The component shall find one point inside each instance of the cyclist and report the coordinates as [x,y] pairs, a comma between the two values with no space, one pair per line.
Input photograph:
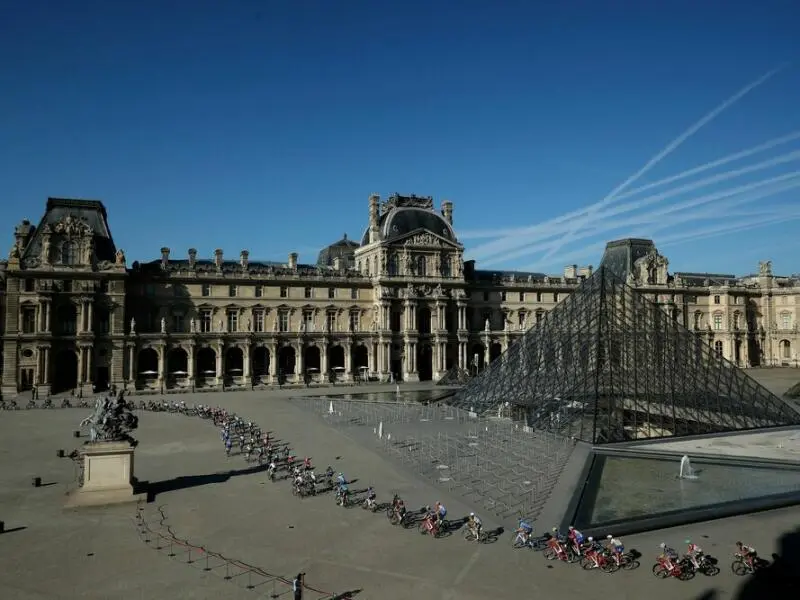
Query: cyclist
[343,494]
[271,469]
[748,553]
[399,508]
[440,512]
[371,495]
[693,553]
[614,547]
[576,538]
[307,464]
[475,525]
[340,480]
[524,528]
[668,555]
[592,550]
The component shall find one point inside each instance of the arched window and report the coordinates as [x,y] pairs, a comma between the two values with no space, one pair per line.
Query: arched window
[786,349]
[422,270]
[698,320]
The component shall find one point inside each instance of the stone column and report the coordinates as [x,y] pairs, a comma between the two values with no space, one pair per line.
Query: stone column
[348,360]
[299,364]
[131,363]
[47,306]
[273,361]
[90,317]
[81,369]
[218,366]
[162,360]
[323,361]
[190,364]
[246,366]
[89,364]
[45,378]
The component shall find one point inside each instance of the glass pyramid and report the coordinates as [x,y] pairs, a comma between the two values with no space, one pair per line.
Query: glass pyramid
[608,365]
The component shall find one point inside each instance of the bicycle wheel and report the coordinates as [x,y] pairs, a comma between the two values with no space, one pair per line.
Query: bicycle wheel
[609,566]
[660,571]
[686,573]
[538,544]
[469,536]
[423,528]
[710,570]
[629,564]
[550,553]
[739,568]
[587,563]
[517,542]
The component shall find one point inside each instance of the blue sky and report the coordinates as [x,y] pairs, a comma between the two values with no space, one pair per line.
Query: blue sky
[266,125]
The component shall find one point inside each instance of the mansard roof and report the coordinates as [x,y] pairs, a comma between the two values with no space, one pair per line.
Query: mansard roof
[92,213]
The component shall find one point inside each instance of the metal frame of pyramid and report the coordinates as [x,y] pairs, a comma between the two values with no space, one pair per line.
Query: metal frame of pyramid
[608,365]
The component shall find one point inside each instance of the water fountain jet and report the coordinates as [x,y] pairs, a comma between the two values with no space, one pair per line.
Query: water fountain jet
[686,470]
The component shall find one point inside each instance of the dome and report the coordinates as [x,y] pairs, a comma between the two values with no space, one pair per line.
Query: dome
[345,248]
[400,221]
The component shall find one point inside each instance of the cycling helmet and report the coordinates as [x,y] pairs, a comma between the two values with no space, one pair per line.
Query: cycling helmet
[571,528]
[555,529]
[687,541]
[590,538]
[609,536]
[471,514]
[662,545]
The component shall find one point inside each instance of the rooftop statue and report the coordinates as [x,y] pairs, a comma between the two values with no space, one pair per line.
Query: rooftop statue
[111,421]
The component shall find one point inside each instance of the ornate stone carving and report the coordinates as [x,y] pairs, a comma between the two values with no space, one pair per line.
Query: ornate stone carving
[14,253]
[192,325]
[133,325]
[163,325]
[765,268]
[72,226]
[422,239]
[119,258]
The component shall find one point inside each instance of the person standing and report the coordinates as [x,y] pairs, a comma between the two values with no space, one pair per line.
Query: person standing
[297,586]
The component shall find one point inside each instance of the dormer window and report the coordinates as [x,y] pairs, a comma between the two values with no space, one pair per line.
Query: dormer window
[68,254]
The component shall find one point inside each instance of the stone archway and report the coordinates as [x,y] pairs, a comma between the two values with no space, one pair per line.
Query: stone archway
[336,362]
[425,362]
[177,362]
[477,358]
[261,360]
[287,358]
[147,361]
[234,362]
[65,371]
[312,359]
[361,362]
[206,365]
[424,320]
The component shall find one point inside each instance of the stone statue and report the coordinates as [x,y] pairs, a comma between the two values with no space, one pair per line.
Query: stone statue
[249,325]
[302,326]
[765,268]
[438,292]
[133,325]
[487,326]
[119,257]
[192,325]
[163,325]
[111,421]
[630,279]
[14,253]
[221,325]
[409,265]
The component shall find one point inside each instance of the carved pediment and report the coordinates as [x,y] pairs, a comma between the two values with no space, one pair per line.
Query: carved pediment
[423,238]
[72,226]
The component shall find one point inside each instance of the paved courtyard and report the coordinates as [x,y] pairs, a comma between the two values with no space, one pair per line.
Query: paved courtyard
[213,501]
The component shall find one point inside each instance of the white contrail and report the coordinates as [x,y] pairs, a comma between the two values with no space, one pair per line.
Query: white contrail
[485,251]
[671,147]
[507,243]
[713,164]
[497,233]
[593,249]
[739,197]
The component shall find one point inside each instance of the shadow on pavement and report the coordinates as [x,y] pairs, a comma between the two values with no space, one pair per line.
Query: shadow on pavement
[153,489]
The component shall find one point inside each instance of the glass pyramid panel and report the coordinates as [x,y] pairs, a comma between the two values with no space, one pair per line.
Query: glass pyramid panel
[621,489]
[608,365]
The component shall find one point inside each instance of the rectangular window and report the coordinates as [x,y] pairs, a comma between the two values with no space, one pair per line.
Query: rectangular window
[104,286]
[716,299]
[522,296]
[691,299]
[283,321]
[308,292]
[233,321]
[538,296]
[177,323]
[259,291]
[284,291]
[331,293]
[205,321]
[539,316]
[394,321]
[30,285]
[206,291]
[555,297]
[28,320]
[67,285]
[485,296]
[232,291]
[354,293]
[258,321]
[330,322]
[786,321]
[103,321]
[521,318]
[354,322]
[308,320]
[503,296]
[717,322]
[737,320]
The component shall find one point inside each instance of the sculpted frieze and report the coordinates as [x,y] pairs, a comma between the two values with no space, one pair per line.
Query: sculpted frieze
[72,226]
[423,239]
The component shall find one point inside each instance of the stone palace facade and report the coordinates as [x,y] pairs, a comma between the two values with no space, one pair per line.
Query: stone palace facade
[401,303]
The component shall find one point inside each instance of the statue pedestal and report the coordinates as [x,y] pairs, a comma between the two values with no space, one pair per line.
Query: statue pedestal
[107,475]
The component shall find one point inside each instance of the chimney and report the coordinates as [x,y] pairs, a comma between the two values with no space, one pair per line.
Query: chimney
[293,260]
[244,259]
[374,217]
[586,271]
[447,211]
[571,272]
[337,263]
[192,257]
[164,257]
[218,258]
